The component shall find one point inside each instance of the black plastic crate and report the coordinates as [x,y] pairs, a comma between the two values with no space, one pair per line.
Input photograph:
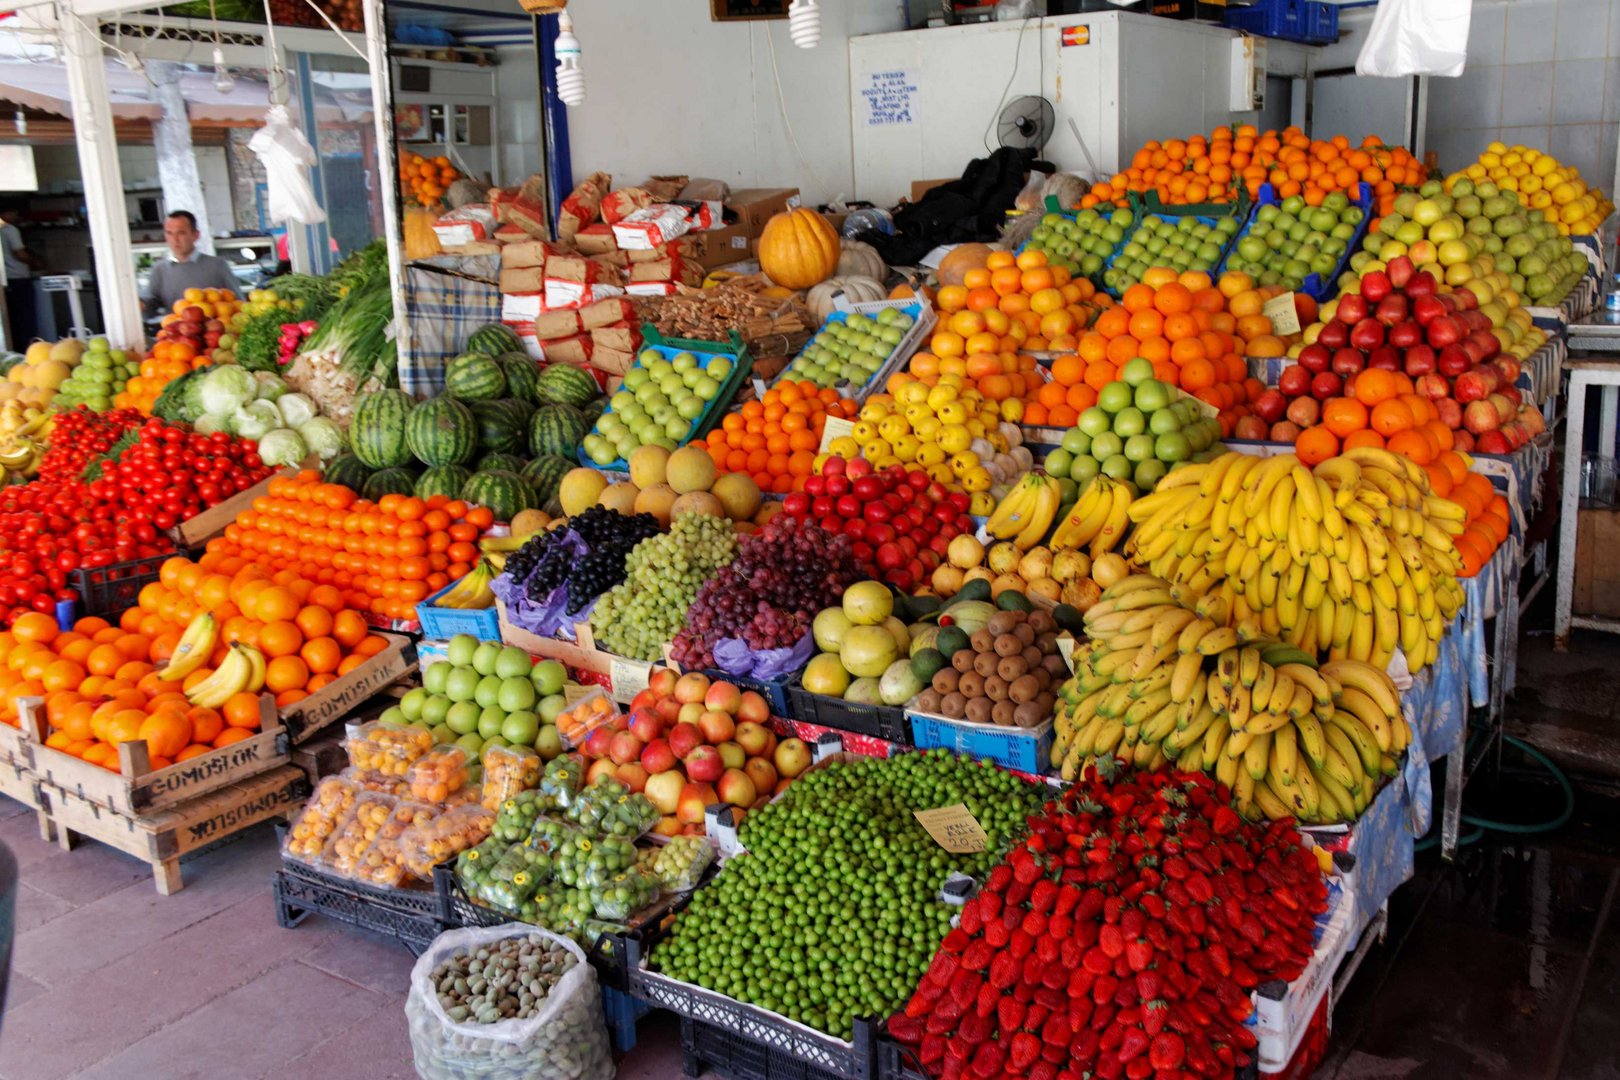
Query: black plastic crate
[410,916]
[887,722]
[116,587]
[737,1057]
[609,954]
[896,1062]
[774,691]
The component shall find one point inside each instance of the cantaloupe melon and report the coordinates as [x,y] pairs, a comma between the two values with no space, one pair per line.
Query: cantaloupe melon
[739,494]
[529,521]
[619,497]
[580,489]
[697,502]
[51,374]
[657,500]
[960,259]
[647,465]
[690,469]
[68,350]
[38,352]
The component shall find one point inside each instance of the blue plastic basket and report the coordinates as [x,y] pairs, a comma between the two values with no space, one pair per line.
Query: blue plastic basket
[1141,208]
[923,320]
[1313,286]
[774,691]
[1025,749]
[1304,21]
[442,622]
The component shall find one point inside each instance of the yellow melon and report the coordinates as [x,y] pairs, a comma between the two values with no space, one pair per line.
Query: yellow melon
[697,502]
[739,494]
[647,465]
[580,489]
[68,351]
[620,498]
[38,352]
[690,469]
[51,374]
[657,500]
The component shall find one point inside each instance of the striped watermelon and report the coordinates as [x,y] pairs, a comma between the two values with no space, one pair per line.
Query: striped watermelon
[493,340]
[474,377]
[565,384]
[545,473]
[495,461]
[442,431]
[522,375]
[505,493]
[557,429]
[377,432]
[446,480]
[396,481]
[346,469]
[520,410]
[497,427]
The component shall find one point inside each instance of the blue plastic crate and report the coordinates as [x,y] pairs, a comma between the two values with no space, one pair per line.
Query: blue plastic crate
[774,691]
[621,1012]
[1304,21]
[1025,749]
[1313,286]
[923,320]
[1141,208]
[443,622]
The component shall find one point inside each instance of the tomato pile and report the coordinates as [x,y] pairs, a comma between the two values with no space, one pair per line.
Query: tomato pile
[171,475]
[79,436]
[1122,939]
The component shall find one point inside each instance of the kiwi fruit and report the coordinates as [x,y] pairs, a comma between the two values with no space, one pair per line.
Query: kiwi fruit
[1028,715]
[1053,665]
[1002,712]
[962,659]
[978,710]
[1032,656]
[1024,633]
[945,680]
[1047,642]
[995,688]
[985,663]
[1008,645]
[1001,622]
[1042,677]
[953,705]
[1024,689]
[1041,621]
[1011,667]
[982,640]
[928,700]
[1047,701]
[971,685]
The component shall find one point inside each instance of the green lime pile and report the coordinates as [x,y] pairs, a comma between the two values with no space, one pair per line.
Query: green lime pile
[662,577]
[1137,432]
[834,913]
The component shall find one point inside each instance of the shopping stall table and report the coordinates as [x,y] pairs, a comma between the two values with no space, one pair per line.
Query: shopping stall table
[1594,344]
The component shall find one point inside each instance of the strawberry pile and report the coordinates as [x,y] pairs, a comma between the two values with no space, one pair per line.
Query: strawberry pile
[1121,939]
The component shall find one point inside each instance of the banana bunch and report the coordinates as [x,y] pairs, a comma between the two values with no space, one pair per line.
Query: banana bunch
[1352,560]
[472,591]
[196,645]
[1160,680]
[1025,515]
[241,672]
[495,549]
[1098,517]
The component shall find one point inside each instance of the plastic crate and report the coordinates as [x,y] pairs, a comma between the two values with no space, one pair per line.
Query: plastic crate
[116,587]
[442,622]
[886,722]
[1025,749]
[741,365]
[896,1062]
[1208,214]
[1304,21]
[621,1012]
[923,320]
[737,1057]
[1313,285]
[411,916]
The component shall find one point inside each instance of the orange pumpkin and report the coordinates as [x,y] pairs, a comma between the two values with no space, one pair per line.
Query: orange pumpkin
[799,249]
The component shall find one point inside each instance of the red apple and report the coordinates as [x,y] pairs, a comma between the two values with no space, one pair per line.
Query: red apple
[1391,309]
[1452,361]
[625,748]
[1405,334]
[1294,381]
[632,775]
[1419,360]
[1271,405]
[668,710]
[598,743]
[600,768]
[1421,283]
[731,755]
[1352,309]
[1315,357]
[1333,335]
[1480,417]
[1347,361]
[1400,270]
[1492,442]
[1426,309]
[1385,358]
[737,788]
[704,764]
[1326,385]
[1367,335]
[646,725]
[1470,386]
[1306,411]
[684,738]
[696,798]
[753,707]
[1250,427]
[1375,286]
[1286,430]
[657,757]
[662,681]
[1443,331]
[1450,413]
[717,726]
[1505,409]
[1432,386]
[1463,441]
[644,700]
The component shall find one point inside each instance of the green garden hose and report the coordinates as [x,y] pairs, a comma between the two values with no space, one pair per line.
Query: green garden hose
[1484,825]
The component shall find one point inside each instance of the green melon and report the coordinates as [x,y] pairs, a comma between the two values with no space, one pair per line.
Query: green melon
[474,377]
[377,432]
[545,474]
[396,481]
[565,384]
[446,480]
[493,340]
[348,470]
[505,493]
[442,431]
[557,429]
[498,427]
[522,375]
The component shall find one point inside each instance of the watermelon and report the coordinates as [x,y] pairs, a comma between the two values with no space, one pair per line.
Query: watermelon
[474,377]
[348,470]
[505,493]
[446,480]
[520,409]
[565,384]
[396,481]
[497,427]
[377,432]
[593,410]
[442,431]
[522,375]
[557,429]
[545,473]
[493,340]
[496,461]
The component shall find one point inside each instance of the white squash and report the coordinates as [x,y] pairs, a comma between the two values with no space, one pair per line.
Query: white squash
[860,259]
[856,290]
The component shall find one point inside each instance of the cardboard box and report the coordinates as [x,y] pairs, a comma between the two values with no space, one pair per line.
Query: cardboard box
[1597,575]
[720,247]
[919,188]
[523,279]
[756,206]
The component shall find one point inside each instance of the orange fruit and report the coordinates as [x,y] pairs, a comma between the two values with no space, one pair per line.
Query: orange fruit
[242,711]
[286,673]
[165,733]
[206,724]
[1315,445]
[275,603]
[280,638]
[349,628]
[231,735]
[35,626]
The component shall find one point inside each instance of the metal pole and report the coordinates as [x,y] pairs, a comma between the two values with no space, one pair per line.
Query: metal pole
[554,153]
[97,141]
[382,111]
[318,235]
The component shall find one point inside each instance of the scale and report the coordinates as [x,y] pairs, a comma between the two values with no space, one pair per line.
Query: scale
[70,284]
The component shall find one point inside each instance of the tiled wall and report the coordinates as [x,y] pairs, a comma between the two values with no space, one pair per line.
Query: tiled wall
[1545,73]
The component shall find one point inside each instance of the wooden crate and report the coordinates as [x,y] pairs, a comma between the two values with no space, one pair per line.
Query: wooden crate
[139,789]
[339,698]
[197,531]
[160,837]
[627,677]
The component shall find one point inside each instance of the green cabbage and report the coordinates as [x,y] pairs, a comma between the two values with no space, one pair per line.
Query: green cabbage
[255,419]
[226,388]
[282,447]
[323,437]
[296,410]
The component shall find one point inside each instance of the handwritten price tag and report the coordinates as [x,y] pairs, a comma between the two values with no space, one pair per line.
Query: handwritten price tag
[953,829]
[1065,646]
[1280,310]
[629,676]
[837,427]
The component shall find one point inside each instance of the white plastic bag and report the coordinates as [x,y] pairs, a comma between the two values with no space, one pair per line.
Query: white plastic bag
[1416,37]
[566,1040]
[287,156]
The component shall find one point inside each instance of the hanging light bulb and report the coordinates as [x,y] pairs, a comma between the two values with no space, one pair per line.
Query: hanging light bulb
[222,74]
[570,75]
[21,122]
[804,23]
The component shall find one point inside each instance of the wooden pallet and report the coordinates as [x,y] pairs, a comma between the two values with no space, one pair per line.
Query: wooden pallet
[139,789]
[161,837]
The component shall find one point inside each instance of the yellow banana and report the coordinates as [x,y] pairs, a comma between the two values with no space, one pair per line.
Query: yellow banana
[196,645]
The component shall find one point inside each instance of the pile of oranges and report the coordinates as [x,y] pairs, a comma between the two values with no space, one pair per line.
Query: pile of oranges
[1011,303]
[168,361]
[381,557]
[1195,332]
[1185,172]
[775,439]
[1379,409]
[1486,527]
[425,180]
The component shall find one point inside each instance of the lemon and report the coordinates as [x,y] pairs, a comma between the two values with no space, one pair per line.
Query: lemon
[1544,164]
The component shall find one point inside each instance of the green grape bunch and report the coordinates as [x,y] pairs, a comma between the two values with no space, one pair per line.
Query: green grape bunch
[662,577]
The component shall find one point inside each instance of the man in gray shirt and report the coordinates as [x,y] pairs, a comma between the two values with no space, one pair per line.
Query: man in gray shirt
[20,264]
[185,268]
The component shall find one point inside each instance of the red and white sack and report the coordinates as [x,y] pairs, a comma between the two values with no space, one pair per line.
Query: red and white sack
[658,224]
[618,205]
[471,224]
